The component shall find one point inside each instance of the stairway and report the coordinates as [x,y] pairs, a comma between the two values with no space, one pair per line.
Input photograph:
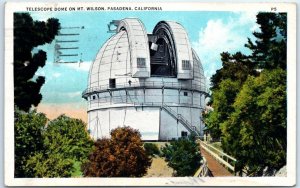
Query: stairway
[181,119]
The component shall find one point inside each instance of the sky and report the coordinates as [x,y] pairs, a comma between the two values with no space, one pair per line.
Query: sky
[210,34]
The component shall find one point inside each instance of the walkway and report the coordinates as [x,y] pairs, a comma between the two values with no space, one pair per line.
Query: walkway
[216,169]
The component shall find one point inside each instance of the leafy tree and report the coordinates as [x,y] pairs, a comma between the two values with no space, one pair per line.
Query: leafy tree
[183,156]
[28,139]
[65,142]
[236,67]
[48,149]
[68,136]
[247,116]
[27,35]
[223,100]
[49,165]
[255,133]
[122,155]
[268,51]
[225,85]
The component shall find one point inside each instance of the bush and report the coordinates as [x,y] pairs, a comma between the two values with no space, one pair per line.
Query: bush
[122,155]
[46,148]
[151,149]
[68,136]
[66,142]
[49,166]
[28,139]
[183,156]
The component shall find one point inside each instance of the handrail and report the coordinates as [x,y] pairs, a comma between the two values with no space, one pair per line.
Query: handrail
[219,155]
[97,104]
[221,152]
[154,84]
[179,117]
[203,171]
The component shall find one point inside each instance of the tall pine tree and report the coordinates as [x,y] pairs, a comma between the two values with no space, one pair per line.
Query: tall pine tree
[27,35]
[269,48]
[249,99]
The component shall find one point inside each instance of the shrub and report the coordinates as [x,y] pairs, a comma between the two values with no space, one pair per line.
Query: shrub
[28,139]
[122,155]
[151,149]
[49,149]
[183,156]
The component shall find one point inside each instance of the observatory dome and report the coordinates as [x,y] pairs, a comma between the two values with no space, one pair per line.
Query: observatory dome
[136,75]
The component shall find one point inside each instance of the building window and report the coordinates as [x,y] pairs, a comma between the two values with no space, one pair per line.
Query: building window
[141,62]
[186,65]
[183,134]
[93,97]
[112,83]
[185,93]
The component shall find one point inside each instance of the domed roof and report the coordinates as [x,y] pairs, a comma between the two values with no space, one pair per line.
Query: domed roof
[127,53]
[112,58]
[116,55]
[199,77]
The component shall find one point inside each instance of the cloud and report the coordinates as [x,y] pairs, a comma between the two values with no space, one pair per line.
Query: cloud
[220,35]
[76,94]
[56,74]
[83,66]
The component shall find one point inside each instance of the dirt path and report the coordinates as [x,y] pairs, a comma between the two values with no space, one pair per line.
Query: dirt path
[216,169]
[159,168]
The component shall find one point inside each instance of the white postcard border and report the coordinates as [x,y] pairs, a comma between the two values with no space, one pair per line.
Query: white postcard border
[176,6]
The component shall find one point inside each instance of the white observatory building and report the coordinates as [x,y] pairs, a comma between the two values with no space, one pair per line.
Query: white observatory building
[151,82]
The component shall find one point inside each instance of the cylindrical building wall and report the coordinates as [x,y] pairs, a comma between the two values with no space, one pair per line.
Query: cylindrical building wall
[154,83]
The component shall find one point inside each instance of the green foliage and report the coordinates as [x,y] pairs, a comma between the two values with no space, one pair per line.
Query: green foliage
[77,169]
[27,35]
[217,145]
[122,155]
[151,149]
[223,98]
[68,136]
[235,67]
[28,138]
[269,48]
[49,166]
[255,133]
[49,150]
[249,104]
[66,142]
[183,156]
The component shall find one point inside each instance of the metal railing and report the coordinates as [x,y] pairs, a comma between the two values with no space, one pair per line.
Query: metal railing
[104,104]
[147,84]
[203,171]
[223,158]
[181,119]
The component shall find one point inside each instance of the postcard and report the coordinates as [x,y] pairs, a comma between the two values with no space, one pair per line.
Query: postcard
[150,94]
